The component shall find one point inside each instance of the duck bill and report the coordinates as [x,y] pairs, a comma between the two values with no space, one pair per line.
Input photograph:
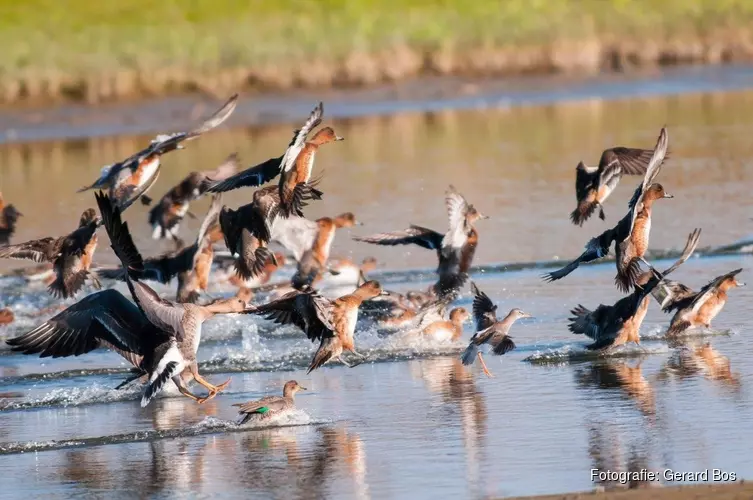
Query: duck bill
[483,216]
[526,315]
[669,196]
[739,283]
[339,138]
[300,387]
[384,292]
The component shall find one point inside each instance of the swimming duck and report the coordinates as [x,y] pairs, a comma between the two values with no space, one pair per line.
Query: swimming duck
[71,255]
[132,177]
[630,235]
[158,337]
[332,322]
[8,217]
[270,406]
[455,249]
[6,316]
[696,309]
[447,330]
[314,260]
[489,330]
[618,324]
[593,185]
[165,217]
[167,266]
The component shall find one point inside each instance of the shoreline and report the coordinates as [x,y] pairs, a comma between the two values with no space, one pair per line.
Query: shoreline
[722,491]
[21,124]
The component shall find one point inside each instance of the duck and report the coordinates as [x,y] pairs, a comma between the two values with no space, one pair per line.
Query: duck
[158,337]
[269,407]
[194,281]
[6,316]
[133,177]
[489,330]
[271,266]
[178,262]
[9,216]
[71,255]
[455,249]
[593,185]
[611,326]
[165,217]
[313,262]
[346,270]
[331,322]
[696,309]
[630,234]
[447,330]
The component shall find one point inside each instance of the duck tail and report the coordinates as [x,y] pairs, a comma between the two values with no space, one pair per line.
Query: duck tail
[469,355]
[158,381]
[135,374]
[584,210]
[245,418]
[677,327]
[230,229]
[323,354]
[628,275]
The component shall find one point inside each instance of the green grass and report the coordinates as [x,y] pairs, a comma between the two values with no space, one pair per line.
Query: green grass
[76,40]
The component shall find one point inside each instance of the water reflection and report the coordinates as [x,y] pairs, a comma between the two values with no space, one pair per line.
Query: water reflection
[620,375]
[697,358]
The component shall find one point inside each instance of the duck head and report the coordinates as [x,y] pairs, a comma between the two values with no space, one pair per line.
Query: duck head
[369,290]
[324,136]
[346,219]
[459,315]
[291,387]
[655,192]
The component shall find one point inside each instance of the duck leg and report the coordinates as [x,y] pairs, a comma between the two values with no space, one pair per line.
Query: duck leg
[213,389]
[340,358]
[184,390]
[483,365]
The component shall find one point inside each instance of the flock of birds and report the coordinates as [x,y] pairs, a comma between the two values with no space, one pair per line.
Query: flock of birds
[160,337]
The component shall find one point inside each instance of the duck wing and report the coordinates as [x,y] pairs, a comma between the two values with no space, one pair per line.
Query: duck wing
[620,160]
[263,405]
[307,310]
[457,209]
[652,170]
[484,310]
[251,177]
[414,235]
[711,288]
[42,250]
[103,318]
[296,234]
[299,140]
[670,293]
[164,315]
[596,248]
[431,313]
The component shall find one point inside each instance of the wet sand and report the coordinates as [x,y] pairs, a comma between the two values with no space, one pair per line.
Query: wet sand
[729,491]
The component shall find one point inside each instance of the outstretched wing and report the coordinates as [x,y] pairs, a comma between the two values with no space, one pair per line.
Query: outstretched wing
[414,235]
[307,310]
[596,248]
[42,250]
[484,310]
[620,160]
[251,177]
[103,318]
[299,138]
[711,288]
[652,170]
[584,180]
[457,209]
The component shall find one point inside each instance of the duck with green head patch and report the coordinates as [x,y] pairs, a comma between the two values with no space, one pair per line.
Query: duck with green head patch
[270,406]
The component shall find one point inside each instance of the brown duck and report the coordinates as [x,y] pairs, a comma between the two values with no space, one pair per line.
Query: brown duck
[71,255]
[455,249]
[593,185]
[158,337]
[332,323]
[132,177]
[618,324]
[166,216]
[269,407]
[8,217]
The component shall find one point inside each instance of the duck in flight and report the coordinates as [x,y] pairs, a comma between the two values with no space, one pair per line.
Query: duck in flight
[331,322]
[593,185]
[158,337]
[8,218]
[166,216]
[489,330]
[631,233]
[294,167]
[610,326]
[71,255]
[455,249]
[129,179]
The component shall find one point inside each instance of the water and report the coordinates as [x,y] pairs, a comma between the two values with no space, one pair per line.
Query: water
[413,422]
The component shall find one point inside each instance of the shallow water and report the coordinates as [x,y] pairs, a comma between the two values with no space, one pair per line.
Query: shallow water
[413,422]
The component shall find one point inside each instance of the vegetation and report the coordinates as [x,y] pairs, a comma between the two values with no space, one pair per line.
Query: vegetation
[100,50]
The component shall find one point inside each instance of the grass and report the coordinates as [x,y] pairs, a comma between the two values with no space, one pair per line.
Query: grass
[78,46]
